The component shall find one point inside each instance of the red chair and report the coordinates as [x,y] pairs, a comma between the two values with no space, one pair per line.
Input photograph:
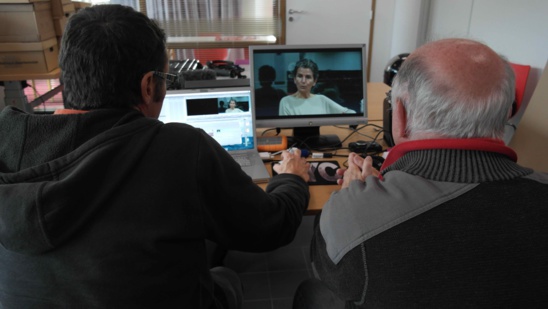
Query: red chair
[204,55]
[522,73]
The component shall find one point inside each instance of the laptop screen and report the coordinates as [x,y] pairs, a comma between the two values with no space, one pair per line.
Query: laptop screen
[226,115]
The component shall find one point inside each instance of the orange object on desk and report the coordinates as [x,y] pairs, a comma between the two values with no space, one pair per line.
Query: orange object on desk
[272,143]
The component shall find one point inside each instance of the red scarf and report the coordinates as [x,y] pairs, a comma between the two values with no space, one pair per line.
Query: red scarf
[481,144]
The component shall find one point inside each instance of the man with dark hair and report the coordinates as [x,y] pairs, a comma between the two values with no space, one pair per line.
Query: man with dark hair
[268,95]
[104,206]
[451,221]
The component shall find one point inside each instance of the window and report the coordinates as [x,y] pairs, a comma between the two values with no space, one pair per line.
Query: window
[200,29]
[214,24]
[216,29]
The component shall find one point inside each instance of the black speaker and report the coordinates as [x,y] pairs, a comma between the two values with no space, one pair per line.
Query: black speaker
[387,120]
[389,73]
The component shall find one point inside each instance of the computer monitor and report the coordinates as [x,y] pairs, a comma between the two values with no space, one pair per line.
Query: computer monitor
[339,94]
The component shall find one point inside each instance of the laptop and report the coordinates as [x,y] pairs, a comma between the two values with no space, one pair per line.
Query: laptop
[233,129]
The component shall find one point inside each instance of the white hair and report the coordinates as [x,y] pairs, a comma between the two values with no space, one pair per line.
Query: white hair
[434,107]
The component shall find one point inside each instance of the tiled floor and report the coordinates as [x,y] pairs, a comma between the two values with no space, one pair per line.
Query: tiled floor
[270,279]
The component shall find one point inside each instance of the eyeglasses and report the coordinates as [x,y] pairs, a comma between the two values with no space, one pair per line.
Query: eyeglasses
[170,78]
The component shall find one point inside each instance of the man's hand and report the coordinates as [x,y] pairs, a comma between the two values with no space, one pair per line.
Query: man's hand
[358,169]
[292,163]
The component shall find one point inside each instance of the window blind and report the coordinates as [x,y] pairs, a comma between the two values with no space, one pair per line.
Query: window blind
[191,24]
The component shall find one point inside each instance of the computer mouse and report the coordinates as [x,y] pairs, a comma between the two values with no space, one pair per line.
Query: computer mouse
[377,161]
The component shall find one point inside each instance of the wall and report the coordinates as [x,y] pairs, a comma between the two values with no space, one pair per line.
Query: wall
[399,28]
[382,38]
[515,29]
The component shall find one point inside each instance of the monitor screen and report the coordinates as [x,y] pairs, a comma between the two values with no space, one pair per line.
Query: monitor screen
[307,86]
[224,114]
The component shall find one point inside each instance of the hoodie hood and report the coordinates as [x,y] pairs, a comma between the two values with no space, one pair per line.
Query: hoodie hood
[45,190]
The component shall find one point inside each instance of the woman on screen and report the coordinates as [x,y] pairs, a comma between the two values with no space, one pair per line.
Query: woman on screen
[232,107]
[304,102]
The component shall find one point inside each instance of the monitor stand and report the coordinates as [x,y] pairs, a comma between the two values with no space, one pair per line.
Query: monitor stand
[310,137]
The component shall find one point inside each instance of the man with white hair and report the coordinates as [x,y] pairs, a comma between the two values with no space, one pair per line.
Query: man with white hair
[451,220]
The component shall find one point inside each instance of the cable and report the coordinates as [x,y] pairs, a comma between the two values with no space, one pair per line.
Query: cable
[277,131]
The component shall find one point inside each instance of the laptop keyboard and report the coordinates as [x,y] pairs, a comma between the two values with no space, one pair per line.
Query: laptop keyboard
[242,159]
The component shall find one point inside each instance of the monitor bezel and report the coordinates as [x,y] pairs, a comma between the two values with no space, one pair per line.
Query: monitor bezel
[308,120]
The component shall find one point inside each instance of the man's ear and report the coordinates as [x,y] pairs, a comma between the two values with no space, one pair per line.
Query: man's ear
[399,122]
[147,88]
[147,95]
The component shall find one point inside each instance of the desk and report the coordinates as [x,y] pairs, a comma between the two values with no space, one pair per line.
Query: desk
[376,92]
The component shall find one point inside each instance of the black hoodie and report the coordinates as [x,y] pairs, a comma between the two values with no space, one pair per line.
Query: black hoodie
[110,209]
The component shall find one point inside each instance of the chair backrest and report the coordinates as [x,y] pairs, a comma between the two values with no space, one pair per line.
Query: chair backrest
[522,73]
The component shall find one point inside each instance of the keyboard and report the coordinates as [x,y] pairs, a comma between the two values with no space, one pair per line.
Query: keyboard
[242,159]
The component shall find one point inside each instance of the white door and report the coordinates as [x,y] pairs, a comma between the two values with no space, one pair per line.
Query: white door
[327,21]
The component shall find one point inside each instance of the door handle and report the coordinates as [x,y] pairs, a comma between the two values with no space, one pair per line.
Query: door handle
[292,11]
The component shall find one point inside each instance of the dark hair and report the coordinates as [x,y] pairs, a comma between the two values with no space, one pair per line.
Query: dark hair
[307,64]
[105,51]
[267,74]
